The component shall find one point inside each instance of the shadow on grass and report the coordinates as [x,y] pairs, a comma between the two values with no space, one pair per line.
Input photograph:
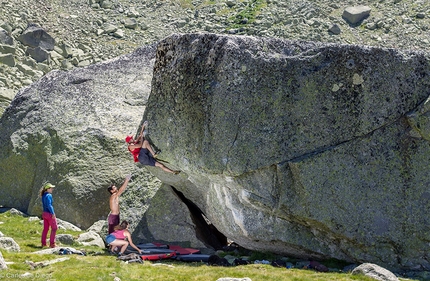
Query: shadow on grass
[34,246]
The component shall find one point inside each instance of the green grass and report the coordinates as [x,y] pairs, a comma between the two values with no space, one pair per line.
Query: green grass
[250,12]
[99,265]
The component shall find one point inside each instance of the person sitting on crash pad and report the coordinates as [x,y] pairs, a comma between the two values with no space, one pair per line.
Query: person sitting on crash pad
[143,153]
[121,237]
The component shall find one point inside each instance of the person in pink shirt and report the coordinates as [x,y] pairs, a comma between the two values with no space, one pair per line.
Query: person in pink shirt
[121,238]
[48,215]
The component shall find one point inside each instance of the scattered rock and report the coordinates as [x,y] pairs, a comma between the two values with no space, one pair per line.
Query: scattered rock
[119,33]
[375,271]
[109,28]
[420,15]
[48,251]
[155,21]
[40,264]
[7,59]
[98,226]
[6,49]
[132,13]
[335,29]
[106,4]
[15,212]
[5,38]
[38,53]
[66,239]
[356,14]
[67,225]
[3,264]
[231,3]
[66,64]
[28,70]
[31,219]
[91,238]
[130,23]
[8,244]
[35,36]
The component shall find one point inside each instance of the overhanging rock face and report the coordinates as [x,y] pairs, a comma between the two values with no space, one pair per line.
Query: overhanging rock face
[299,148]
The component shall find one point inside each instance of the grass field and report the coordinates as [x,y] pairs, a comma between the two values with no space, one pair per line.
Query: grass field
[98,264]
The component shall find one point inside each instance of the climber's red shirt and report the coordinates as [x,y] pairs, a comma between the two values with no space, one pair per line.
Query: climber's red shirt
[135,153]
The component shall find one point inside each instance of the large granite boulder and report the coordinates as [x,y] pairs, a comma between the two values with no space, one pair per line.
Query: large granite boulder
[299,148]
[68,128]
[304,149]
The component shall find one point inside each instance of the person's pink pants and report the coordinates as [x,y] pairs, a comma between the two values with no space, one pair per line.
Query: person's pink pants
[49,221]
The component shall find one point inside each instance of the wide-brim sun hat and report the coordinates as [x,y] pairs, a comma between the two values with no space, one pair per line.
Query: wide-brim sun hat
[48,186]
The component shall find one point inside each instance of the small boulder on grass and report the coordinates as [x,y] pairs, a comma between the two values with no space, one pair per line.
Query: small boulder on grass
[356,14]
[375,271]
[91,238]
[2,262]
[66,239]
[16,212]
[67,225]
[8,244]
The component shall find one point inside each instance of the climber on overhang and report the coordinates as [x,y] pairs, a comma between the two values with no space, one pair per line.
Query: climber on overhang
[143,153]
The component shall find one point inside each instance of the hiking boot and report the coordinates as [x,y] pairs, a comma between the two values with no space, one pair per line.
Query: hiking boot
[53,246]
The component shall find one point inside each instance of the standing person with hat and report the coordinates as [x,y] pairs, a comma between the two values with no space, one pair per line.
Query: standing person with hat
[48,215]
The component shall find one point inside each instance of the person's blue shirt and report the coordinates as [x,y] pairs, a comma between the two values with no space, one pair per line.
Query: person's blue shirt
[47,203]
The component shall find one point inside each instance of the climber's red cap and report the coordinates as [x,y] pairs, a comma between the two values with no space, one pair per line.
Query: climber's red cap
[128,139]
